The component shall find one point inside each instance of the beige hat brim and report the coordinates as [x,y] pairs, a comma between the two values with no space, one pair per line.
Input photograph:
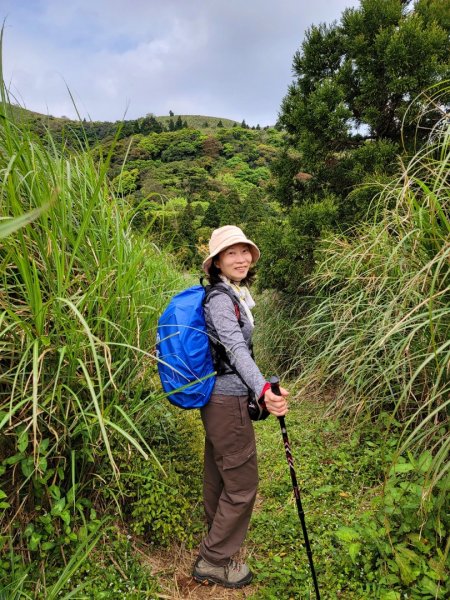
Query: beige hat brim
[226,244]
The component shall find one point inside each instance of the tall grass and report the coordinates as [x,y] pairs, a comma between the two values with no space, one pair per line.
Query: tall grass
[381,333]
[80,292]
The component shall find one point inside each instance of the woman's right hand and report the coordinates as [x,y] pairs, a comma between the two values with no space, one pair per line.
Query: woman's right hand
[276,405]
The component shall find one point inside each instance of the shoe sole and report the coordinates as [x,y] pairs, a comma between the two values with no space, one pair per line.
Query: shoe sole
[237,585]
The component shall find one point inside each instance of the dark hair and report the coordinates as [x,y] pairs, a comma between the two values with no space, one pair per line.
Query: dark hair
[214,272]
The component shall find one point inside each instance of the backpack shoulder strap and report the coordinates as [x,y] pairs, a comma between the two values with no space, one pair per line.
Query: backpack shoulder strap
[220,358]
[221,288]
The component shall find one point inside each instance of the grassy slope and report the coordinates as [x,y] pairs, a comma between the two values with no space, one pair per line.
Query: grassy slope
[198,121]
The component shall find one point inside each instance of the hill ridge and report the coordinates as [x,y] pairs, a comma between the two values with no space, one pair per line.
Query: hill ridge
[196,121]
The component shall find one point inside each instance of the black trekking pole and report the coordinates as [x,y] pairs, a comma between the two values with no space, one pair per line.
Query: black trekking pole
[275,387]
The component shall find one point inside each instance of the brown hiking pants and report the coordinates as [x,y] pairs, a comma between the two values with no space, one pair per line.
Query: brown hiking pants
[230,476]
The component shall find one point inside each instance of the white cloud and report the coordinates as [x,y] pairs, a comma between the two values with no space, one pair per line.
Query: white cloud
[220,58]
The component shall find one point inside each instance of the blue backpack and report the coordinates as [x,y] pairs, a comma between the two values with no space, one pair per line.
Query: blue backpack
[185,362]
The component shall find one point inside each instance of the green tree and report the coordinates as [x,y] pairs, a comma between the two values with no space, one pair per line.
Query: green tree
[284,168]
[288,246]
[435,10]
[185,240]
[212,216]
[149,125]
[179,151]
[359,81]
[229,209]
[126,181]
[353,107]
[255,210]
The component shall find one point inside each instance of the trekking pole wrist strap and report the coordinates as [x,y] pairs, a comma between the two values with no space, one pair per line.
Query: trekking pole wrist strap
[264,390]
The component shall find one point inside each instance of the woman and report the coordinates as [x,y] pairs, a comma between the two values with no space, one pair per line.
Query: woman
[230,469]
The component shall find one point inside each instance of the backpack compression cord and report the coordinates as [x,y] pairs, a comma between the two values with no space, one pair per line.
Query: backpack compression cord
[275,387]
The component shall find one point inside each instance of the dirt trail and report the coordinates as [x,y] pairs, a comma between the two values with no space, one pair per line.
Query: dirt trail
[173,568]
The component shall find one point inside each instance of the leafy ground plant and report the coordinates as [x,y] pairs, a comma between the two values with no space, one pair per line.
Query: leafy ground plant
[400,547]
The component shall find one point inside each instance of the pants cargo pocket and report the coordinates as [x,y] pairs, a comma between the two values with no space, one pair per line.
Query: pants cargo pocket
[240,469]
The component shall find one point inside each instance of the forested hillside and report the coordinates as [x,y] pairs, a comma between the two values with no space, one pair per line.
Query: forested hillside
[184,175]
[186,182]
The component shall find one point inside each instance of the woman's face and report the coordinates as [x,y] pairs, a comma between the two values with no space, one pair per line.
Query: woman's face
[234,262]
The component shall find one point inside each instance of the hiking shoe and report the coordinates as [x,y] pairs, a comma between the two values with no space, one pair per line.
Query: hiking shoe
[232,575]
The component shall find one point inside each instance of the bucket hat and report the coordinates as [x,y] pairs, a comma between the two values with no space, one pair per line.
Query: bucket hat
[223,238]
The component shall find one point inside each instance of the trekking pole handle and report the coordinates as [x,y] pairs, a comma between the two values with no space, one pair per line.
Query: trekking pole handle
[275,385]
[275,388]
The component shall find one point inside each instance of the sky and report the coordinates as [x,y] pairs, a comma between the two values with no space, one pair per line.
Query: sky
[128,58]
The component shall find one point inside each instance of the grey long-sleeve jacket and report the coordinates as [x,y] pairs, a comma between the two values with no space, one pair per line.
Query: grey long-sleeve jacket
[222,325]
